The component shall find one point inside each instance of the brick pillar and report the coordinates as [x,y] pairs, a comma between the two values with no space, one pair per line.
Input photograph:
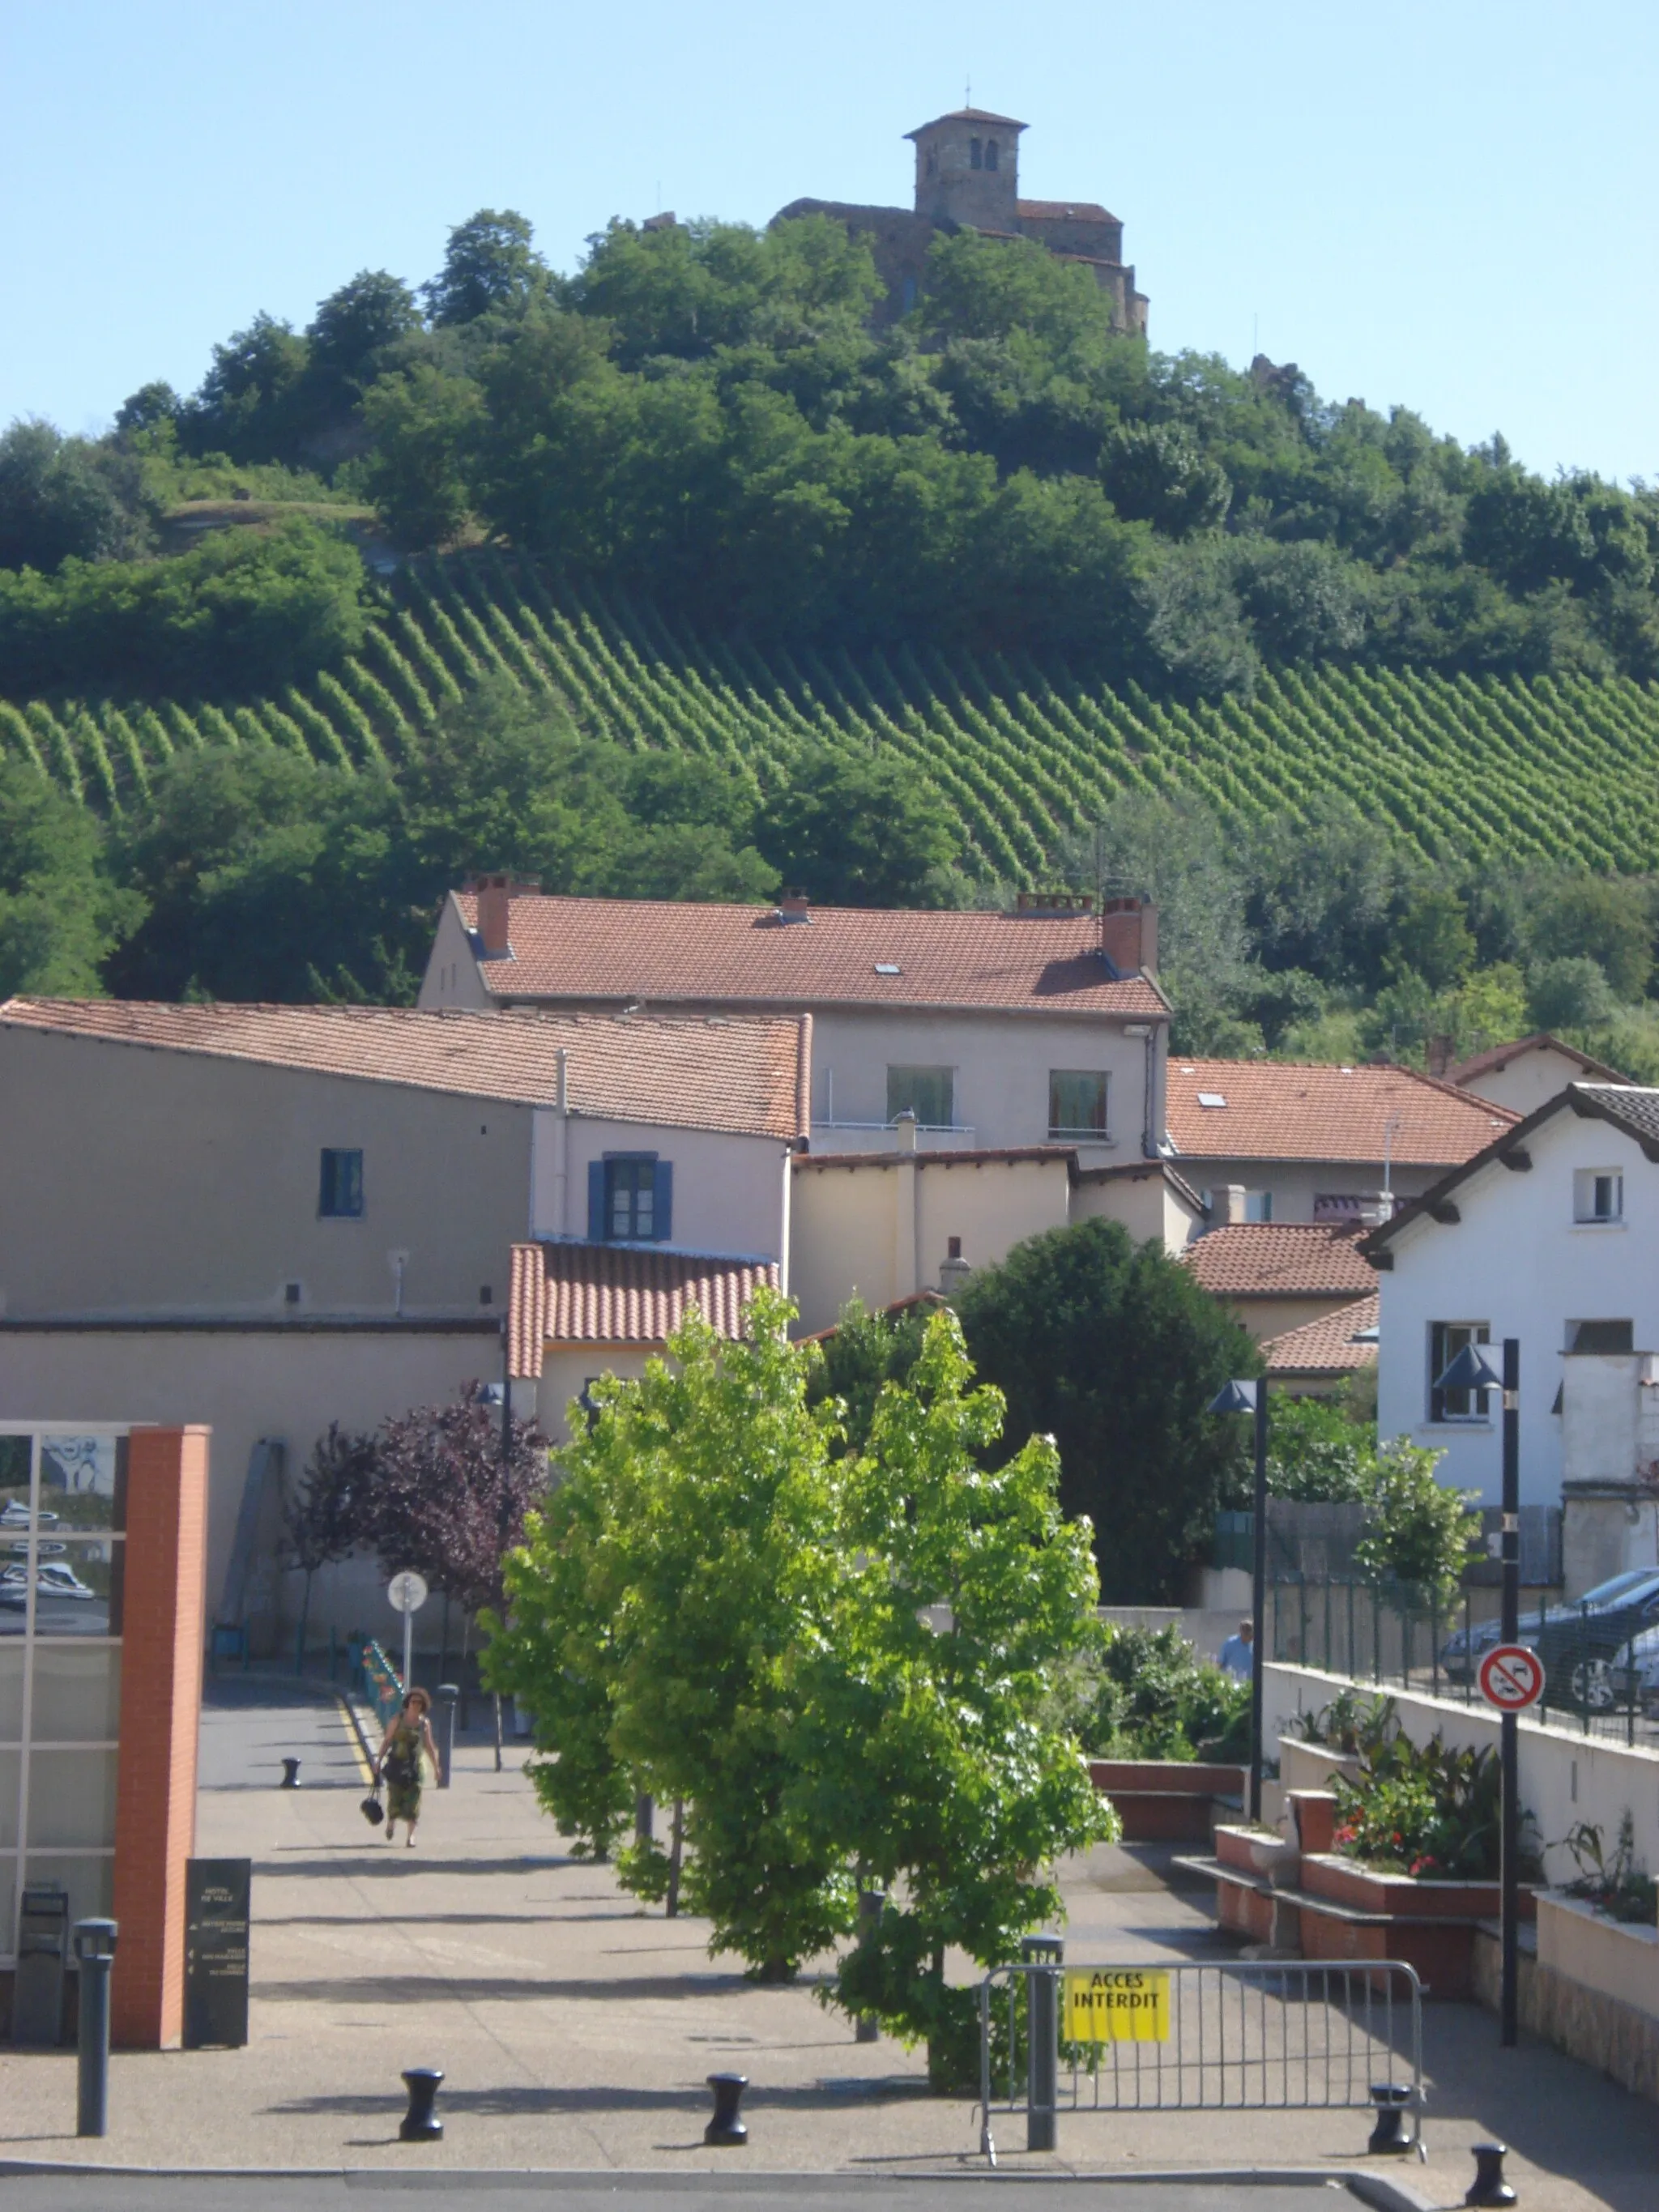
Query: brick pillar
[162,1621]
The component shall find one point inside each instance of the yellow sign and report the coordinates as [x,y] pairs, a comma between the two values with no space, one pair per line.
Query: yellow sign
[1117,2004]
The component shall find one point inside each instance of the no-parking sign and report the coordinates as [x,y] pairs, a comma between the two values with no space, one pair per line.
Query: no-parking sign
[1511,1677]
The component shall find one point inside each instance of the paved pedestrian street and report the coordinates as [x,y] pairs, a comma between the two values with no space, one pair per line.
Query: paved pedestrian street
[575,2030]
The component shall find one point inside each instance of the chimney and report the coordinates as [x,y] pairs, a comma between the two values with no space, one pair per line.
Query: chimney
[496,894]
[954,1270]
[904,1131]
[1226,1205]
[1440,1055]
[793,905]
[1128,935]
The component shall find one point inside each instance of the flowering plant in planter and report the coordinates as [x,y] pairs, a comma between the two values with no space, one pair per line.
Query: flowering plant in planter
[1426,1811]
[1615,1882]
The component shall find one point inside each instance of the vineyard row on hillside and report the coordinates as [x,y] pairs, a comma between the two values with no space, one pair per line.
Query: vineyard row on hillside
[1020,754]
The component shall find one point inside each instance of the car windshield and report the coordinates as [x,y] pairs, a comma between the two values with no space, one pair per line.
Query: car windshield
[1621,1586]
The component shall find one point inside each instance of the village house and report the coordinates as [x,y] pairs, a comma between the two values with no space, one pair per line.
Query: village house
[1319,1142]
[1546,1236]
[1322,1358]
[995,1031]
[267,1218]
[1277,1276]
[1523,1075]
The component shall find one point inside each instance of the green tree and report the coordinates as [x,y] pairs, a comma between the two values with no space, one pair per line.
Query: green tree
[61,916]
[354,326]
[1607,918]
[1418,1531]
[702,1504]
[56,502]
[1569,994]
[1433,938]
[490,267]
[425,424]
[928,1752]
[1318,1453]
[851,831]
[1113,1350]
[252,403]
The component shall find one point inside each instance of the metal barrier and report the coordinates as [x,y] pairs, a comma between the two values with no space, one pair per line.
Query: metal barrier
[1273,2035]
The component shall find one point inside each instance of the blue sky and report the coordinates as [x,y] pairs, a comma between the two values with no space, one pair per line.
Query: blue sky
[1449,207]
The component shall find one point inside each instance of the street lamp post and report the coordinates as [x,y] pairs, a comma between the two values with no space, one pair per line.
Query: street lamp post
[1251,1397]
[1473,1371]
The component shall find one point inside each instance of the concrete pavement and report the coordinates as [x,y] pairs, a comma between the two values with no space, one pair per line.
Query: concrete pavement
[574,2029]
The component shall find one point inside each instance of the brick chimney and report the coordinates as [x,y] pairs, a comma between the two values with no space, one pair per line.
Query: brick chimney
[794,905]
[1226,1205]
[496,894]
[1128,934]
[1440,1055]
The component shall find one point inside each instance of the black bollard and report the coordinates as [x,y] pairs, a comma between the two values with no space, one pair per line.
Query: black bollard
[290,1775]
[420,2124]
[1044,1953]
[726,2129]
[94,1952]
[1392,2099]
[1489,2186]
[448,1694]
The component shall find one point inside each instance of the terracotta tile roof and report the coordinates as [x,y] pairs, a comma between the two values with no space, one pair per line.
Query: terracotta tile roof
[656,953]
[1280,1260]
[1289,1110]
[1502,1055]
[747,1076]
[602,1294]
[1009,1155]
[1326,1346]
[966,115]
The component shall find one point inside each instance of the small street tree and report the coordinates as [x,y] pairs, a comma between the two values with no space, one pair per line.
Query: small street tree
[324,1515]
[449,1498]
[840,1663]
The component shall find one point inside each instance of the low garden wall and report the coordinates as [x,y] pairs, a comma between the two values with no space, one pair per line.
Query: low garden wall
[1591,1988]
[1565,1778]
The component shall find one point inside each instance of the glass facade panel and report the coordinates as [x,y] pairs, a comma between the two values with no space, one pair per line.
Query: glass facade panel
[11,1691]
[929,1093]
[77,1694]
[72,1799]
[63,1509]
[82,1484]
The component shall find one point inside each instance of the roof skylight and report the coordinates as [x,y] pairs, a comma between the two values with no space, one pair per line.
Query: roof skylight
[1210,1098]
[888,968]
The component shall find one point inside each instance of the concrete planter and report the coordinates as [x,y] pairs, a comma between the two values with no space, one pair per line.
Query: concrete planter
[1615,1958]
[1313,1765]
[1163,1801]
[1353,1911]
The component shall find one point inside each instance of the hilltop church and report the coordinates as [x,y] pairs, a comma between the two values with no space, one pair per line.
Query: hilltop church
[968,179]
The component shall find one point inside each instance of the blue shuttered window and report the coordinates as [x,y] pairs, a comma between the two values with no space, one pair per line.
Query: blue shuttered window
[631,1200]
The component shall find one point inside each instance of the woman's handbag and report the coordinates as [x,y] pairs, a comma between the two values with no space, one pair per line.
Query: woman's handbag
[372,1809]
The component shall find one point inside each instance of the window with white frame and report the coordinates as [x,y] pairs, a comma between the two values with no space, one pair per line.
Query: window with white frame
[1446,1340]
[1598,1197]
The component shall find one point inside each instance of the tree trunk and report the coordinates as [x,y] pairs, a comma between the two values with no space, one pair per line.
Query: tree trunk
[497,1697]
[466,1695]
[674,1856]
[305,1622]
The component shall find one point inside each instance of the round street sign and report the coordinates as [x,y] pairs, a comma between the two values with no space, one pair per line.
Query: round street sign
[407,1591]
[1511,1677]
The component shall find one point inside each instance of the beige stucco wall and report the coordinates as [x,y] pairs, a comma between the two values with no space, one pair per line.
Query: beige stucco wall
[1001,1062]
[879,1229]
[731,1193]
[247,1385]
[1144,1203]
[452,977]
[1528,1081]
[567,1368]
[169,1182]
[1294,1182]
[1265,1318]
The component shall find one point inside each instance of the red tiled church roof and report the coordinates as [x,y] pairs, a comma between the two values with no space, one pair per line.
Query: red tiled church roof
[656,953]
[749,1075]
[1280,1260]
[602,1294]
[1287,1110]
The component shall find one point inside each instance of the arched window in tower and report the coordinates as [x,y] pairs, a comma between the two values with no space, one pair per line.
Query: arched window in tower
[933,161]
[976,155]
[990,153]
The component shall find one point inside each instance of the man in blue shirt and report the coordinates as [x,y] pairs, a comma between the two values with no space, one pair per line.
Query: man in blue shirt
[1238,1652]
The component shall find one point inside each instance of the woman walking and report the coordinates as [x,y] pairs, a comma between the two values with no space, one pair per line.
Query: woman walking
[408,1742]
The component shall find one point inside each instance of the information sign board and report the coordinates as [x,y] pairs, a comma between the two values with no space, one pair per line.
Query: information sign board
[216,1899]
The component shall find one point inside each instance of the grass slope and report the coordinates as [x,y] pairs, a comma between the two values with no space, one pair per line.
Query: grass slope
[1019,752]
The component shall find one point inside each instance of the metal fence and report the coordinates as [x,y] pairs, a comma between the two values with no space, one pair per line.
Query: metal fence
[1397,1635]
[1271,2035]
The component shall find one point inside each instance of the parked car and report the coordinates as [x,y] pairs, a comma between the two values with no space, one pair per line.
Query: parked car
[1580,1643]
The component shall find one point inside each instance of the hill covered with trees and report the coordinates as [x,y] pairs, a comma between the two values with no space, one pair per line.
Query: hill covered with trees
[670,578]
